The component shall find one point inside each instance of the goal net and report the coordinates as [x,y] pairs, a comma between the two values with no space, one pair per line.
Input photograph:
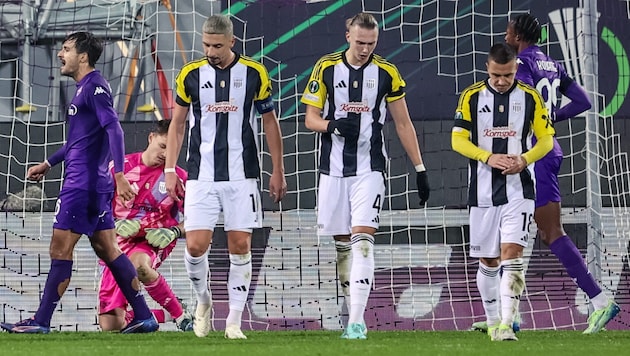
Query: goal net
[424,277]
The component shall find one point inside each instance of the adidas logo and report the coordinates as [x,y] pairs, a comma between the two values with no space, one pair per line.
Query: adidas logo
[207,85]
[341,84]
[240,288]
[363,281]
[485,108]
[99,90]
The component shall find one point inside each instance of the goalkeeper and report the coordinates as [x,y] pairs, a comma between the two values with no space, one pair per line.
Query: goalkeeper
[148,228]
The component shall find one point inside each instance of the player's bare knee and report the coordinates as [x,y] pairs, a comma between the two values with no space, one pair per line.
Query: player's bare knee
[196,250]
[511,251]
[143,273]
[343,238]
[490,262]
[548,236]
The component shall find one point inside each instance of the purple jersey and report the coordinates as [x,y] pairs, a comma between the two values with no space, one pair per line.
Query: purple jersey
[548,77]
[87,150]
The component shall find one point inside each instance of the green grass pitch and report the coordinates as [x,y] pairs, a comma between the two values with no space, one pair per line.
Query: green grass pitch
[326,343]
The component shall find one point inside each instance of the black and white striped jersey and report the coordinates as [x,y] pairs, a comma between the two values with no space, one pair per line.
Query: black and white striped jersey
[358,94]
[500,123]
[223,129]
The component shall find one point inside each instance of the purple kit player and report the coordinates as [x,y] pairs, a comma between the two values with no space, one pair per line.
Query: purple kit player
[84,205]
[550,78]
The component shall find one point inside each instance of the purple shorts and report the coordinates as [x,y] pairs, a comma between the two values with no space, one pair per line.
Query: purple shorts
[110,296]
[547,184]
[83,212]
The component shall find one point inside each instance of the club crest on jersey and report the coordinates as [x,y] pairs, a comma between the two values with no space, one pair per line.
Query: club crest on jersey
[72,110]
[313,86]
[238,83]
[370,83]
[517,106]
[162,187]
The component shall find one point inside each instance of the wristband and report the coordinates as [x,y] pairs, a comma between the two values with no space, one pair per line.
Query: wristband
[169,170]
[420,168]
[177,231]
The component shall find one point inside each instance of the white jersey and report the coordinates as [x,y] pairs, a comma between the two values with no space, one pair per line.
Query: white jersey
[357,94]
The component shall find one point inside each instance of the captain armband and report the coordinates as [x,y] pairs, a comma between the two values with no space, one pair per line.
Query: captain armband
[265,105]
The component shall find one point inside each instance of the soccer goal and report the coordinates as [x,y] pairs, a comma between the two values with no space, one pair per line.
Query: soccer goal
[424,278]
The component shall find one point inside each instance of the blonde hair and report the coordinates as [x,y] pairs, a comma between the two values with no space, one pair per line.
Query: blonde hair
[363,20]
[218,25]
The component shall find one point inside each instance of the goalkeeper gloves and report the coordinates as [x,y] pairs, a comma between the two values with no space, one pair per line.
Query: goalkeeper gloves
[343,127]
[127,228]
[163,236]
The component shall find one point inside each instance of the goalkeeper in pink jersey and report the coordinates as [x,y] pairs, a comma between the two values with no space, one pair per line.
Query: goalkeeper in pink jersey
[148,227]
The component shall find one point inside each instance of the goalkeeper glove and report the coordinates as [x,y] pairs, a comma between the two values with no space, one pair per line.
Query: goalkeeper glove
[163,236]
[342,127]
[127,228]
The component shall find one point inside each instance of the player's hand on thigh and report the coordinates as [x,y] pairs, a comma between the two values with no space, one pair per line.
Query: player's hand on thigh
[127,227]
[163,236]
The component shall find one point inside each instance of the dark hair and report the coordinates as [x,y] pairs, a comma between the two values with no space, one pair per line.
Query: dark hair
[161,127]
[363,20]
[501,53]
[85,42]
[527,27]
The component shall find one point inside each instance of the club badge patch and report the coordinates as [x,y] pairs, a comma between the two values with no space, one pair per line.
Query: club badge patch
[313,86]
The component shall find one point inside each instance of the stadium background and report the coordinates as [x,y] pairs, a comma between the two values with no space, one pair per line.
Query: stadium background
[435,74]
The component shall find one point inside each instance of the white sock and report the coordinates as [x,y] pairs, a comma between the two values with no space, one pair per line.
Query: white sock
[197,269]
[488,281]
[512,286]
[361,275]
[344,258]
[600,301]
[239,280]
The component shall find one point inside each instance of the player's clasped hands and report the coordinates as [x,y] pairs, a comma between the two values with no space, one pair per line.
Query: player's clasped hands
[507,163]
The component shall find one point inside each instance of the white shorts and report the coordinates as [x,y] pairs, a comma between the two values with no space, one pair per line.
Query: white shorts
[344,202]
[239,201]
[494,225]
